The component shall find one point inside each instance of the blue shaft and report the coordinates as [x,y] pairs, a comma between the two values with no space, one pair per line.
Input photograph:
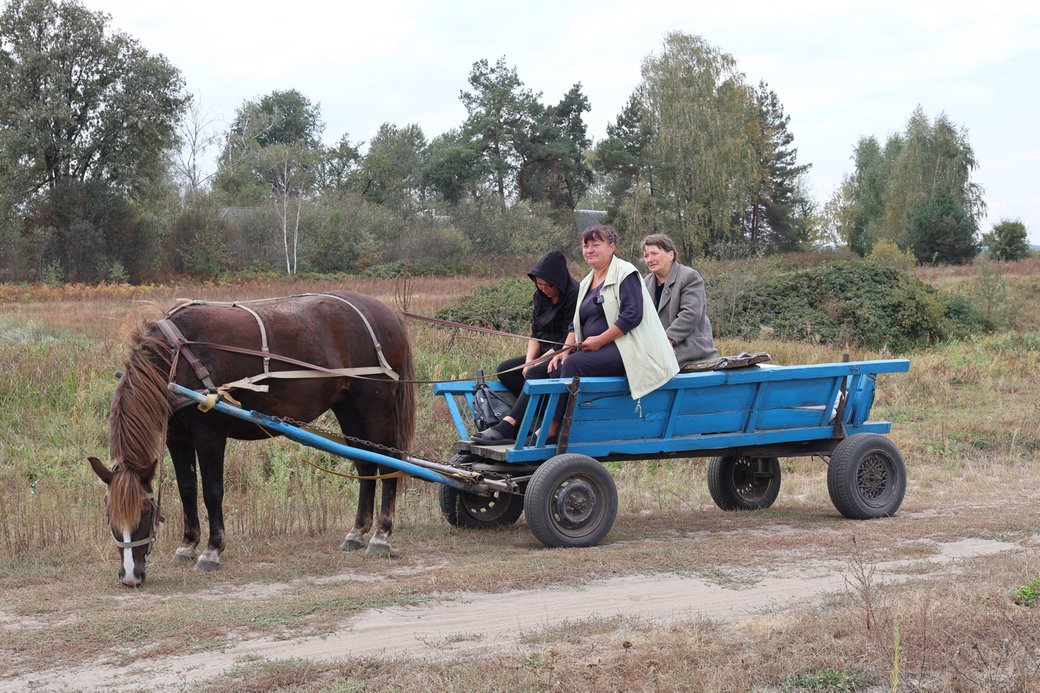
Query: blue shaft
[313,440]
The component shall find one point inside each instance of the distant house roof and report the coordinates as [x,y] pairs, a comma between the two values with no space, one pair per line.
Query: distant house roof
[584,218]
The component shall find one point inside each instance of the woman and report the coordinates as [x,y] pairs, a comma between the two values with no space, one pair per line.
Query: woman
[555,298]
[681,303]
[616,334]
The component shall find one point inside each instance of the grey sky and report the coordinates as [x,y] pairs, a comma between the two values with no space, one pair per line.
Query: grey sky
[842,70]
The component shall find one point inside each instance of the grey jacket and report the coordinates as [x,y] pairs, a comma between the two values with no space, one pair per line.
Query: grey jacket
[684,313]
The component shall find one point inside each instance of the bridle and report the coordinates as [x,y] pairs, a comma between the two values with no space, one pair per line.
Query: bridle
[150,539]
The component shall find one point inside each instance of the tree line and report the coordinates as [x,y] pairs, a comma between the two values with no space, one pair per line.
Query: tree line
[103,178]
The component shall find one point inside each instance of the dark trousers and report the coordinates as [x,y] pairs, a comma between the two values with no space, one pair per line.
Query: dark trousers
[514,381]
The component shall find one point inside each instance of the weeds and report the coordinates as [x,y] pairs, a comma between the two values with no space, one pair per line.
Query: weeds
[1028,594]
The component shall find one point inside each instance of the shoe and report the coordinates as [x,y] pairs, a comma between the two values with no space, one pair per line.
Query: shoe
[492,436]
[532,440]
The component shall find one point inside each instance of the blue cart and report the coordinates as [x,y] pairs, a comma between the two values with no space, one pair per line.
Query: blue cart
[744,420]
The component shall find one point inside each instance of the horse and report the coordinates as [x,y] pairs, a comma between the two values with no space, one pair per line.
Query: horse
[336,336]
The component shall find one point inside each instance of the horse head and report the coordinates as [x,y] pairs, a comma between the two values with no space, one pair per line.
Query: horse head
[133,516]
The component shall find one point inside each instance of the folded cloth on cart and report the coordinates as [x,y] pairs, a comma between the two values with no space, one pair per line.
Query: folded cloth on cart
[725,363]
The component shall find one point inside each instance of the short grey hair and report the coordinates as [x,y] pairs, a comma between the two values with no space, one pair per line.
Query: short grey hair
[662,241]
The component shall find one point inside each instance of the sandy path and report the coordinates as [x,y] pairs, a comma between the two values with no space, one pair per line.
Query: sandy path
[470,622]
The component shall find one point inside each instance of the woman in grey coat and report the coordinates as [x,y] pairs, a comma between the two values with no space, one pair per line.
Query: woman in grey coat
[682,305]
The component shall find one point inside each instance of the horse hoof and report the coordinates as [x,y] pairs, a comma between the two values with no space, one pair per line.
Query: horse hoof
[207,566]
[185,554]
[352,545]
[378,548]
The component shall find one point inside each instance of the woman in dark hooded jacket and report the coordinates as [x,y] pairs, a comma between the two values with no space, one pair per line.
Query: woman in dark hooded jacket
[555,299]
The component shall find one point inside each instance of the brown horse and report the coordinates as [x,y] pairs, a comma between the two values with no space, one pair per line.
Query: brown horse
[336,331]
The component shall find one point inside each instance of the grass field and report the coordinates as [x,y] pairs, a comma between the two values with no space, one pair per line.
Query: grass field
[967,419]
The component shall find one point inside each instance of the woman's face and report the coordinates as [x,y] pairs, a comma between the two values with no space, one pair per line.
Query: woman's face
[548,289]
[597,252]
[658,260]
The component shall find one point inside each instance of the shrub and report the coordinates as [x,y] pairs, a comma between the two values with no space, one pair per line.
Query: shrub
[503,305]
[857,302]
[1008,241]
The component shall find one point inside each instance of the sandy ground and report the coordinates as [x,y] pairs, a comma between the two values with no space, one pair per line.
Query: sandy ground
[471,622]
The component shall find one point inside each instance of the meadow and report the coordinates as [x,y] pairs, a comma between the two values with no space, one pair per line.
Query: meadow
[966,417]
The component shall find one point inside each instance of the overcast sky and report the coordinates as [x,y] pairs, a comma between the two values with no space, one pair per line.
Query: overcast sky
[842,70]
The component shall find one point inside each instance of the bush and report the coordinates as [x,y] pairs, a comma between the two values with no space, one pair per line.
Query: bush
[1008,241]
[856,302]
[503,305]
[940,231]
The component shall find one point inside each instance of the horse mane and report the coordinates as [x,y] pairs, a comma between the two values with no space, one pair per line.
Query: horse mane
[136,420]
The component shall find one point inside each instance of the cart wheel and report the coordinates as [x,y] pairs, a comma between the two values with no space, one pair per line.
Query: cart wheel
[571,500]
[470,511]
[744,483]
[866,477]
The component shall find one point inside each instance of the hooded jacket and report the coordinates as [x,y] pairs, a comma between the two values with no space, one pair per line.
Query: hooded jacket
[549,320]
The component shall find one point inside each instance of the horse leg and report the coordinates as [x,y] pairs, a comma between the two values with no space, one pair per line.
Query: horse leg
[211,466]
[355,539]
[183,455]
[379,545]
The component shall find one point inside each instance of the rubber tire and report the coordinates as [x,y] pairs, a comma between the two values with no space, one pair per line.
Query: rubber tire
[470,511]
[574,484]
[866,477]
[730,482]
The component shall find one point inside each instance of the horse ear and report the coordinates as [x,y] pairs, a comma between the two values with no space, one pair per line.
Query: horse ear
[100,469]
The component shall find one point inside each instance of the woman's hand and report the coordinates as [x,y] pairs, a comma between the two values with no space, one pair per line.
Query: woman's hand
[530,361]
[559,358]
[597,342]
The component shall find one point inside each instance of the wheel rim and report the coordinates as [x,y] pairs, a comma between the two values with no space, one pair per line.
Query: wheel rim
[750,484]
[486,508]
[575,505]
[874,478]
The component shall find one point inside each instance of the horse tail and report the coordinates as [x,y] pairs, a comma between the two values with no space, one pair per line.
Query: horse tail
[404,405]
[125,499]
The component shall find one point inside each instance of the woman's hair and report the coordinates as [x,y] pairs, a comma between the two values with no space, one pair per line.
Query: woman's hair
[600,232]
[661,241]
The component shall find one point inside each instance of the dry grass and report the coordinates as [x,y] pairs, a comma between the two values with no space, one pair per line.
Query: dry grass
[967,419]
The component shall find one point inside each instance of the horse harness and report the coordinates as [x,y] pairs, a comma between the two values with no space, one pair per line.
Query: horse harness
[180,346]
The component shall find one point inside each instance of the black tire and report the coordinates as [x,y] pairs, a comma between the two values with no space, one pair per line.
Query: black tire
[744,483]
[571,501]
[470,511]
[866,477]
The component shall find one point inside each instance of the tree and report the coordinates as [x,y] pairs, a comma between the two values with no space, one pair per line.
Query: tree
[79,102]
[915,167]
[1007,241]
[553,167]
[391,170]
[704,120]
[273,152]
[939,230]
[196,137]
[337,165]
[778,217]
[623,155]
[501,115]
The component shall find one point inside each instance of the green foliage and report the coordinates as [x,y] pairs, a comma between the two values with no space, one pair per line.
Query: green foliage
[503,305]
[939,231]
[1028,594]
[888,253]
[855,302]
[79,101]
[892,184]
[989,292]
[830,680]
[1007,241]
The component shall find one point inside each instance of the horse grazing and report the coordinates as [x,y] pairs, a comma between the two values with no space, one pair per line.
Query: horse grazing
[335,336]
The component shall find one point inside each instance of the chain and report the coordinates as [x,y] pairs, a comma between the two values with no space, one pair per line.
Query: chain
[337,435]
